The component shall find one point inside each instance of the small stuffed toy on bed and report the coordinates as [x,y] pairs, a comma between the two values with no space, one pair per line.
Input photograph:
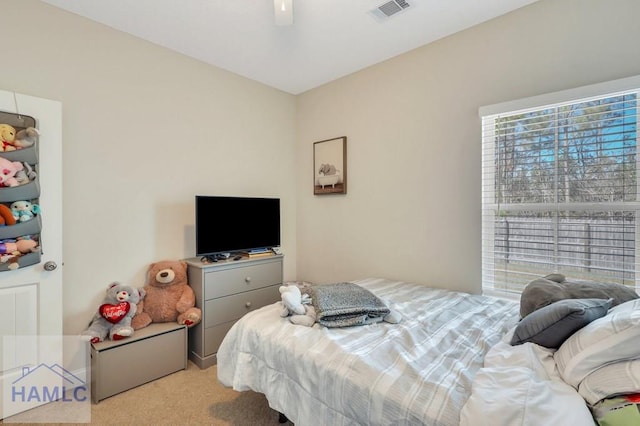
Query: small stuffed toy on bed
[555,287]
[296,306]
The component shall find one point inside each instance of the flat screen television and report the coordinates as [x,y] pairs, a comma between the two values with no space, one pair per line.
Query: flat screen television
[235,224]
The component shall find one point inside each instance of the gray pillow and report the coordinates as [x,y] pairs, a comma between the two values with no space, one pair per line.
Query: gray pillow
[551,325]
[546,290]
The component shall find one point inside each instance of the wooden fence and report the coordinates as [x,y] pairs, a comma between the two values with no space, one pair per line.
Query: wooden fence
[604,246]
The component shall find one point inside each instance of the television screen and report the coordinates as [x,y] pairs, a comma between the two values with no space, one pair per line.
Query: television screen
[231,224]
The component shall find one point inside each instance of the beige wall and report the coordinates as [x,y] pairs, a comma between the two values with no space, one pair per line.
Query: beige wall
[413,205]
[144,130]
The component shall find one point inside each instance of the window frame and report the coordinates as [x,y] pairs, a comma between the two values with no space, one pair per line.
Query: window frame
[564,97]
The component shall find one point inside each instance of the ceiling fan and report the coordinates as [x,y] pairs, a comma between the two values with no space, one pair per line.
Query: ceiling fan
[283,10]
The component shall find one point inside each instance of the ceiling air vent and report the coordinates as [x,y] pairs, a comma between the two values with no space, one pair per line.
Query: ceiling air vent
[390,8]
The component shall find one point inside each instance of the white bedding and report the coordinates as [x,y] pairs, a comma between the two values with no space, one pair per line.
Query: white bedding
[520,386]
[418,372]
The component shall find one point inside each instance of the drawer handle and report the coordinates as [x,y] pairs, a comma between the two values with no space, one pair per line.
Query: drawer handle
[248,304]
[247,280]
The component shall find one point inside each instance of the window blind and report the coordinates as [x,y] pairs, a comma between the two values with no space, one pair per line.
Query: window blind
[560,192]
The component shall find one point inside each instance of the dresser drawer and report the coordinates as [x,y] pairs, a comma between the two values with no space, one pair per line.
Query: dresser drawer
[232,307]
[213,337]
[236,280]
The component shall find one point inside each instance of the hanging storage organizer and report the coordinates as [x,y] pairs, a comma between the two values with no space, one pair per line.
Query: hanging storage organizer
[29,191]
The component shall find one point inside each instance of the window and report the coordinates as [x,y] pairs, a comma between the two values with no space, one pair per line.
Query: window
[560,188]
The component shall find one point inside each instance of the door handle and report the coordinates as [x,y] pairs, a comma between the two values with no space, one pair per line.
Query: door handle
[50,266]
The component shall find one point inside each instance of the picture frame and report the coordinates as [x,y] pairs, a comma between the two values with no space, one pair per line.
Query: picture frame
[330,166]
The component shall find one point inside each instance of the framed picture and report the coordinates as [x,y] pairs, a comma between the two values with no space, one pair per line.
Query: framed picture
[330,166]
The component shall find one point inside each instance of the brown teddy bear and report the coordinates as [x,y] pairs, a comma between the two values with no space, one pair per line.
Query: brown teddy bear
[168,296]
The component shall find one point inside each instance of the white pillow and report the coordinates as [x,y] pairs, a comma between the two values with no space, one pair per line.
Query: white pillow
[614,379]
[609,339]
[631,305]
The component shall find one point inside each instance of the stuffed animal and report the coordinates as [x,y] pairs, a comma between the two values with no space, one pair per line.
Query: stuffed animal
[20,246]
[6,216]
[296,306]
[12,250]
[7,137]
[26,138]
[168,296]
[8,170]
[11,259]
[555,287]
[114,316]
[24,210]
[26,175]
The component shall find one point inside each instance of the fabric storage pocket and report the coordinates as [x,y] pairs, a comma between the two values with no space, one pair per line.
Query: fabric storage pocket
[22,162]
[28,191]
[20,242]
[24,155]
[30,227]
[19,262]
[12,257]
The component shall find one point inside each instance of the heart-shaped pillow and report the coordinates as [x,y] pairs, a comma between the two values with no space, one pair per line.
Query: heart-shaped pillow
[114,313]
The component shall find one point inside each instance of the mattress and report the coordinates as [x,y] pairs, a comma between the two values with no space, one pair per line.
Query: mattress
[417,372]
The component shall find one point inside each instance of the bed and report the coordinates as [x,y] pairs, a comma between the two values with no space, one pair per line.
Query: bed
[448,362]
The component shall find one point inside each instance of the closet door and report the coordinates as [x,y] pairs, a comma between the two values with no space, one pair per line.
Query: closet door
[31,296]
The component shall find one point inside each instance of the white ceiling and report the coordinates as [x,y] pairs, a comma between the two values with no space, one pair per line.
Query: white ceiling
[328,39]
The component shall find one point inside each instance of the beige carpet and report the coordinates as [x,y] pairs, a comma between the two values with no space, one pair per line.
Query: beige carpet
[188,397]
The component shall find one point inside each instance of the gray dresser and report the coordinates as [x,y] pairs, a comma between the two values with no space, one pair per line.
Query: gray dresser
[225,291]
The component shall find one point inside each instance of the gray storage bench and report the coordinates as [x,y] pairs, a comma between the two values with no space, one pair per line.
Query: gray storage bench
[152,352]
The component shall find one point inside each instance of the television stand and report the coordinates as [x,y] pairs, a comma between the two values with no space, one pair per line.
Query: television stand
[225,291]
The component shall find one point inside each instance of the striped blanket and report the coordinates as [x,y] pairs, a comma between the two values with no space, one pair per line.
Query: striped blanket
[417,372]
[346,304]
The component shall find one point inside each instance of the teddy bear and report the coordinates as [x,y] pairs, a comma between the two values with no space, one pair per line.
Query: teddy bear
[114,315]
[296,306]
[168,296]
[8,170]
[7,137]
[24,210]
